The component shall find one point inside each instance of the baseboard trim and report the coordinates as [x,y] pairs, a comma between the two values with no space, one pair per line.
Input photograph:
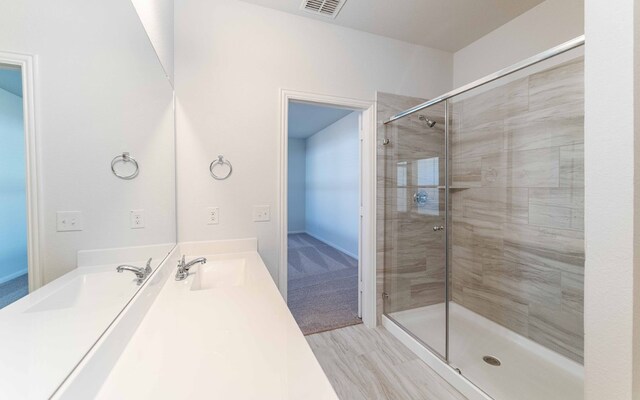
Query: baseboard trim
[14,275]
[328,243]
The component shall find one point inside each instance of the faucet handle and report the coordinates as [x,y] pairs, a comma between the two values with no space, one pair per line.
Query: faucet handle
[181,273]
[147,268]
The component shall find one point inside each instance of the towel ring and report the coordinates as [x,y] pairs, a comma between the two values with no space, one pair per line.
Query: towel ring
[125,157]
[220,161]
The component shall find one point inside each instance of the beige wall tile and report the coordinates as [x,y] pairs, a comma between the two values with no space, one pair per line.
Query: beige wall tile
[562,331]
[496,205]
[478,141]
[561,87]
[528,168]
[550,127]
[482,106]
[572,165]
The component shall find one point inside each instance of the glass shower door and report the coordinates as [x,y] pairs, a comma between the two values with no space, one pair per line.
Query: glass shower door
[415,212]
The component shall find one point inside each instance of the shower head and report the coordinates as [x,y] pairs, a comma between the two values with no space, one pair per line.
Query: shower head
[430,123]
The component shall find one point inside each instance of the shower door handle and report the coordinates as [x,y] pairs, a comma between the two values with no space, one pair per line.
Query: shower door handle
[438,228]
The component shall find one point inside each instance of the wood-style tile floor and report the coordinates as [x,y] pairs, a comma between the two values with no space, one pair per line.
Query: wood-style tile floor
[368,364]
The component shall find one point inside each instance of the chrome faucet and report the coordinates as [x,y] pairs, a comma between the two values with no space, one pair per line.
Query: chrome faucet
[141,273]
[183,268]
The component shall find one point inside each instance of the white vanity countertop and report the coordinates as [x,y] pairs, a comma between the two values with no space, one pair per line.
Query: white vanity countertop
[45,334]
[236,340]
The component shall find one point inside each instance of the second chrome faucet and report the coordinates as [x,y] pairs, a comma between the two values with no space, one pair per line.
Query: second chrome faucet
[141,273]
[183,268]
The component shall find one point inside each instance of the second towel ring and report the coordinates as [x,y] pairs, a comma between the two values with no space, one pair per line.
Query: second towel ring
[125,157]
[220,161]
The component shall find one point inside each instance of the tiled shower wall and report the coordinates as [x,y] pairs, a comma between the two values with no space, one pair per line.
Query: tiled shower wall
[518,206]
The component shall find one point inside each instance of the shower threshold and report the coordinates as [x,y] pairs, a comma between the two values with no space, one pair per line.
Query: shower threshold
[526,370]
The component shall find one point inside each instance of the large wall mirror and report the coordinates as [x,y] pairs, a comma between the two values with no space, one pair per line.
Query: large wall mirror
[82,100]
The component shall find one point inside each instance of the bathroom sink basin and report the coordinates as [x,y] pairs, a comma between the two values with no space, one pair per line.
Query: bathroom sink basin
[90,291]
[219,274]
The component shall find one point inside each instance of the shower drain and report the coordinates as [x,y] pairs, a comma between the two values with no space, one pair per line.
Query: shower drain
[491,361]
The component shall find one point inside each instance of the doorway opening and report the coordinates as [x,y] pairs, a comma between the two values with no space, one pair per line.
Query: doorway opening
[14,262]
[338,255]
[323,227]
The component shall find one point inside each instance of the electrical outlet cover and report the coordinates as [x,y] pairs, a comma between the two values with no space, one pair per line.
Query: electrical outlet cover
[213,215]
[261,213]
[67,221]
[136,219]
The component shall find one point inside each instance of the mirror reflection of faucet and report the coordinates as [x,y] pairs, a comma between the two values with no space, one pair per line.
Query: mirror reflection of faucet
[141,273]
[183,268]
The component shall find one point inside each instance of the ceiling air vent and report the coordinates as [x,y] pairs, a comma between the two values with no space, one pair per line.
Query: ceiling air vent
[325,8]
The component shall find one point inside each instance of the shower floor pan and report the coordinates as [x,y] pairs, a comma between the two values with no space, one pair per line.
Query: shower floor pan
[527,370]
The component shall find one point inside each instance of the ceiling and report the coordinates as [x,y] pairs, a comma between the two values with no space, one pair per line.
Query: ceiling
[307,119]
[442,24]
[11,80]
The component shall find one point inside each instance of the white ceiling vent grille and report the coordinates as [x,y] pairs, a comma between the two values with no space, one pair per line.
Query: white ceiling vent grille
[325,8]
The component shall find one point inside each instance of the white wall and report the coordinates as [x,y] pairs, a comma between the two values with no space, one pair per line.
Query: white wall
[157,18]
[100,90]
[232,58]
[333,184]
[13,199]
[612,200]
[296,199]
[547,25]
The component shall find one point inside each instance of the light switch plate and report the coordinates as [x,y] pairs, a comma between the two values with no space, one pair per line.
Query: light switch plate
[261,213]
[213,215]
[136,219]
[67,221]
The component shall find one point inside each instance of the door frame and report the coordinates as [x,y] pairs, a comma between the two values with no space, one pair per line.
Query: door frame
[27,64]
[367,229]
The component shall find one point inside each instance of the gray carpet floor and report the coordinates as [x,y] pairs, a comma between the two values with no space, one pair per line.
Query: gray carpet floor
[14,289]
[322,285]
